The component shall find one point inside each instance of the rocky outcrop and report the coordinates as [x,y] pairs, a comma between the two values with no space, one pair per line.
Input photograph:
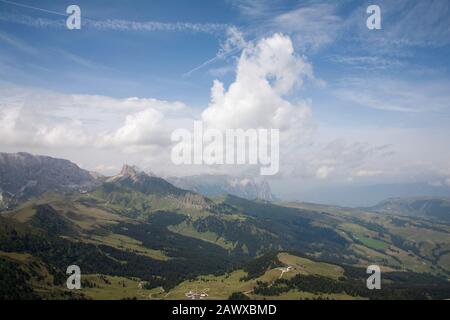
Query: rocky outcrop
[23,175]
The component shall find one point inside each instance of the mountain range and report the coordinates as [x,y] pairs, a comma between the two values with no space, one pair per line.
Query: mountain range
[23,176]
[219,185]
[138,236]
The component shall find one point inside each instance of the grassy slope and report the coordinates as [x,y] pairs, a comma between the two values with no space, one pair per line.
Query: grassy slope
[221,287]
[372,237]
[375,236]
[90,218]
[101,287]
[39,277]
[186,229]
[370,246]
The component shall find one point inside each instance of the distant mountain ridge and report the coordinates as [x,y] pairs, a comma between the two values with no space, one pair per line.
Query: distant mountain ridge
[23,175]
[425,207]
[143,182]
[218,185]
[371,195]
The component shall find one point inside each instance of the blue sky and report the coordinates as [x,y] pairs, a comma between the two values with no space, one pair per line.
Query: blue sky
[143,63]
[119,63]
[387,87]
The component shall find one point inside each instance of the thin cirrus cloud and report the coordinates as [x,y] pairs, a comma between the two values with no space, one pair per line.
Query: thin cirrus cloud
[312,27]
[258,9]
[367,62]
[414,24]
[394,95]
[118,25]
[109,24]
[316,25]
[233,44]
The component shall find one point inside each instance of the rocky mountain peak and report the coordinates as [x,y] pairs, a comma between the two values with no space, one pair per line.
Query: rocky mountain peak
[130,170]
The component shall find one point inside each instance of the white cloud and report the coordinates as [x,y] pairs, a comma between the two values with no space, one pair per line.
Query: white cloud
[259,97]
[20,126]
[32,117]
[147,127]
[266,71]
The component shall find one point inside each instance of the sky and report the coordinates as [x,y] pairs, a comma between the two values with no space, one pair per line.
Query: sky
[355,106]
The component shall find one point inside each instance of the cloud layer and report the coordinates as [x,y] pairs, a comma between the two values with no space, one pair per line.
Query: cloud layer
[260,96]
